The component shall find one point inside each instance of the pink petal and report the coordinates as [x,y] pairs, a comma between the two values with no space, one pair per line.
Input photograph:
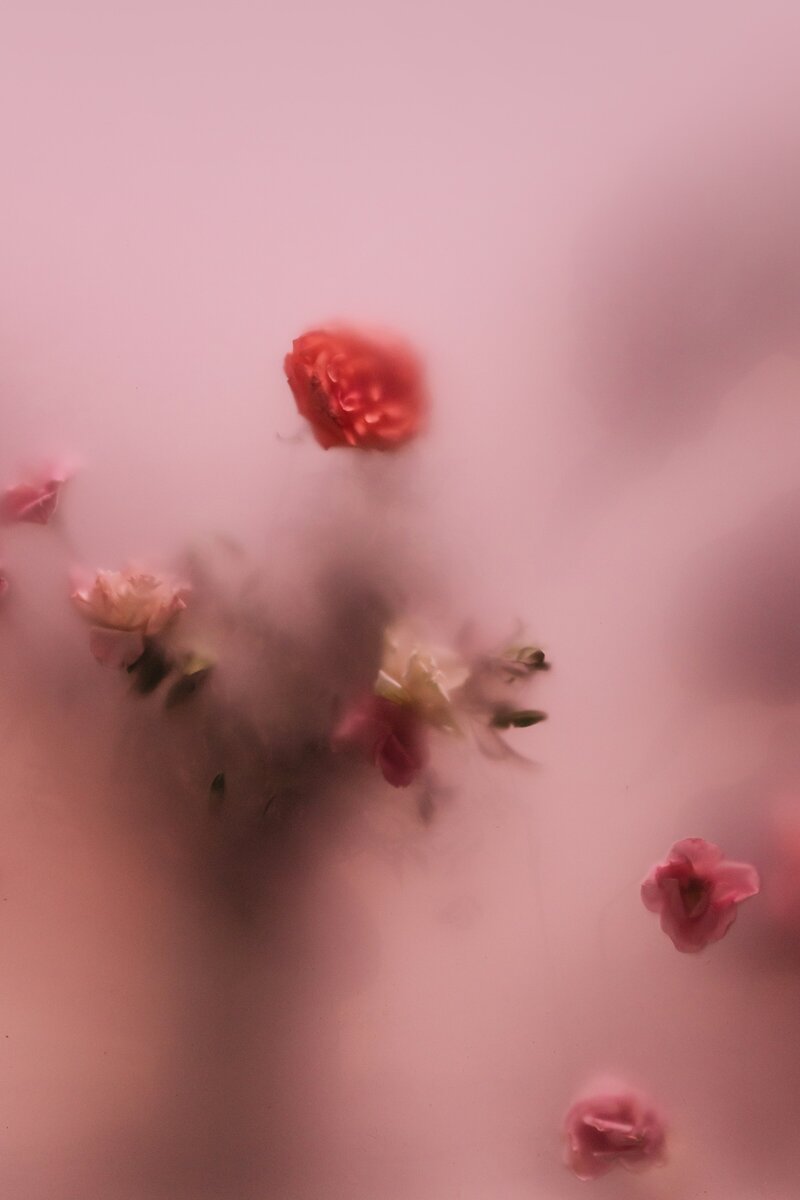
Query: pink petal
[115,648]
[734,882]
[34,503]
[389,734]
[702,855]
[690,937]
[399,764]
[651,892]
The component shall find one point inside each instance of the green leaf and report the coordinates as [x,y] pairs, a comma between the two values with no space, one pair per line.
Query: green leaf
[194,673]
[505,718]
[531,657]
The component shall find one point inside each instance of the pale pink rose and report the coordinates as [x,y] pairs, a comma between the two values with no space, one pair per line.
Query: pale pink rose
[129,603]
[33,502]
[696,892]
[612,1127]
[390,735]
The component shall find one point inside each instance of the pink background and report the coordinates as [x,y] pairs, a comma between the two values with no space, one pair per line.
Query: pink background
[585,215]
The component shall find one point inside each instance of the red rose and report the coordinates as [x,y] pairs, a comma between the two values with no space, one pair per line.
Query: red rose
[356,391]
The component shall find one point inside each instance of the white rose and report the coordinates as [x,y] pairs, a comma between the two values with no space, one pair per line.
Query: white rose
[425,679]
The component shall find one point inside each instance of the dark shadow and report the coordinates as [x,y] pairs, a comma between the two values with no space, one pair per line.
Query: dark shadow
[736,630]
[685,288]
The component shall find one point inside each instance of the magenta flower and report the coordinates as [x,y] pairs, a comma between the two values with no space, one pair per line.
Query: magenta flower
[613,1127]
[696,891]
[391,735]
[33,502]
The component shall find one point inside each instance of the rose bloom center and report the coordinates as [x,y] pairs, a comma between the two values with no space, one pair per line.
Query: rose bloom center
[695,896]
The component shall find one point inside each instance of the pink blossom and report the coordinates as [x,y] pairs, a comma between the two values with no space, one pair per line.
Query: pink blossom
[390,734]
[124,608]
[33,502]
[696,892]
[612,1127]
[116,647]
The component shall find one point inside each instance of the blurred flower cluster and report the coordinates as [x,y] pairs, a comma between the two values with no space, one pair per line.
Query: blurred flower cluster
[421,688]
[359,392]
[373,685]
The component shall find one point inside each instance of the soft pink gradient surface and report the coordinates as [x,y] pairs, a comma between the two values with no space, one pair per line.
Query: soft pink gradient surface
[585,216]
